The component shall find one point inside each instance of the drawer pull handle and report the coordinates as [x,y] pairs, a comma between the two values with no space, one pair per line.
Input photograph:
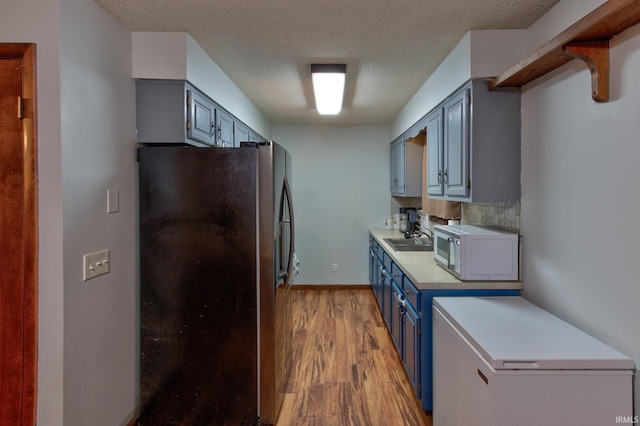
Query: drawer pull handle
[483,377]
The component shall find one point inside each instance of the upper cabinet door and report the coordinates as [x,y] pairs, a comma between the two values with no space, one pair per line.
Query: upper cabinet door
[456,145]
[406,165]
[435,156]
[393,166]
[224,128]
[400,167]
[200,111]
[240,133]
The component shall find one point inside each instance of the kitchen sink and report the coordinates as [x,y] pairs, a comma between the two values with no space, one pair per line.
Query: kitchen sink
[411,244]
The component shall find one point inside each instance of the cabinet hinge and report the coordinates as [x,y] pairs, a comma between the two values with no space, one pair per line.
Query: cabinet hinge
[20,107]
[188,101]
[419,331]
[468,183]
[188,125]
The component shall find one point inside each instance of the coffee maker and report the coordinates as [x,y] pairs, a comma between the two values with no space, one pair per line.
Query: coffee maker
[412,218]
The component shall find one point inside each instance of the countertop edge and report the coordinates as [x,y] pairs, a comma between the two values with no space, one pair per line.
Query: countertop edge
[425,274]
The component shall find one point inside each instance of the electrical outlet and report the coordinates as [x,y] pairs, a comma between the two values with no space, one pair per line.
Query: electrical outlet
[95,264]
[334,267]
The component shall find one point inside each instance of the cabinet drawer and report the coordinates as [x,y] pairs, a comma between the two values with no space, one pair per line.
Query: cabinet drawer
[411,293]
[373,245]
[397,274]
[378,250]
[388,262]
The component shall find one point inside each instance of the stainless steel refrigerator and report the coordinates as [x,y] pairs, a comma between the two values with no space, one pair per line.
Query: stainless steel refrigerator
[216,253]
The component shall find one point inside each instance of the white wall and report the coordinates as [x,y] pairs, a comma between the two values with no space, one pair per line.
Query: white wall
[99,153]
[36,21]
[340,190]
[178,56]
[86,135]
[579,225]
[480,54]
[450,74]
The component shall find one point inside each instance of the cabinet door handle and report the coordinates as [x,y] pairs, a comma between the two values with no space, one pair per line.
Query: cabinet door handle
[439,176]
[446,177]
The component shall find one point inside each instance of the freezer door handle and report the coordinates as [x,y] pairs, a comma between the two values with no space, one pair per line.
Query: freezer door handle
[483,377]
[521,365]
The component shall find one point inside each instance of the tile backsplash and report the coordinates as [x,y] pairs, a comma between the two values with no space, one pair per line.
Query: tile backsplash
[504,216]
[397,202]
[497,215]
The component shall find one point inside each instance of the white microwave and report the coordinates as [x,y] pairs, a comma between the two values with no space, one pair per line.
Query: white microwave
[476,253]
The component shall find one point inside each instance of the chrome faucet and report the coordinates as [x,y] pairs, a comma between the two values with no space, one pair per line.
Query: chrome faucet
[417,233]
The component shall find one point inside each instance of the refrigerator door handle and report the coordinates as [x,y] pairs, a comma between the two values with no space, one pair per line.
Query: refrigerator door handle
[285,273]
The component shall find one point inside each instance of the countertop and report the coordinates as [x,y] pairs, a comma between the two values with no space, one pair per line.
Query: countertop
[425,274]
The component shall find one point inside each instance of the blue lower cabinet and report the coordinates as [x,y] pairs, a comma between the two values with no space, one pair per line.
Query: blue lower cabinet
[382,278]
[372,261]
[387,309]
[427,334]
[397,313]
[385,294]
[407,313]
[412,350]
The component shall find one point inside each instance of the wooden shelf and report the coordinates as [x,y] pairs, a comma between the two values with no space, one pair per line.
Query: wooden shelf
[587,39]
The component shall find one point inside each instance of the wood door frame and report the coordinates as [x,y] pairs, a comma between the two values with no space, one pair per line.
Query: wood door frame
[27,53]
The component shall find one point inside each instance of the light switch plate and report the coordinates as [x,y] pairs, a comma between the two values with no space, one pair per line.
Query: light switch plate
[95,264]
[113,202]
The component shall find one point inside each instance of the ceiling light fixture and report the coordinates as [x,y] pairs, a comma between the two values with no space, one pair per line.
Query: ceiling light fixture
[328,87]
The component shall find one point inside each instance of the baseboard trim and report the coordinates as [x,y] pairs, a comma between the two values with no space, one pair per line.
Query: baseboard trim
[330,286]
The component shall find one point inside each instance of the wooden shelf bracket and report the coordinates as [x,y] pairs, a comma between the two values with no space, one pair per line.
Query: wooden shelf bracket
[587,40]
[596,55]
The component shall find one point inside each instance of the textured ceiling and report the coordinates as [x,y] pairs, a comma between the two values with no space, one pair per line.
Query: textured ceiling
[266,46]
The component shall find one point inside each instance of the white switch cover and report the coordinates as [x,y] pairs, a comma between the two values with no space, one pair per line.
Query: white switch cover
[95,264]
[113,202]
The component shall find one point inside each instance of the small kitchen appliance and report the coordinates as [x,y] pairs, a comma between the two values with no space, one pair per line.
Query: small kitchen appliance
[412,218]
[476,253]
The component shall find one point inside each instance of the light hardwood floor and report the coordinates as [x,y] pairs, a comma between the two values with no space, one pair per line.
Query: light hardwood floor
[345,369]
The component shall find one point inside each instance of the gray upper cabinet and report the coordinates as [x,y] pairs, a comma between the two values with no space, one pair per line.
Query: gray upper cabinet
[200,117]
[224,128]
[396,166]
[255,137]
[406,164]
[478,158]
[455,174]
[173,111]
[435,156]
[240,133]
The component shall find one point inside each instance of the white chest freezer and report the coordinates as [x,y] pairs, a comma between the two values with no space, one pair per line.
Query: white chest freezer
[503,361]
